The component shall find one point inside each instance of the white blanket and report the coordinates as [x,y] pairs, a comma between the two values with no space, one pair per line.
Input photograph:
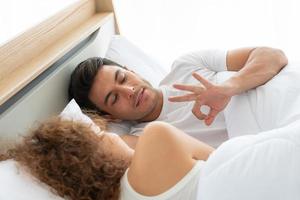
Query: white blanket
[261,167]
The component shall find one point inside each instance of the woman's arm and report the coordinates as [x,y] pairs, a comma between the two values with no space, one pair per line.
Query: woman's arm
[163,156]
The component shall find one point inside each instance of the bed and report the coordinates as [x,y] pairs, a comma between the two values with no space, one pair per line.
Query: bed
[46,95]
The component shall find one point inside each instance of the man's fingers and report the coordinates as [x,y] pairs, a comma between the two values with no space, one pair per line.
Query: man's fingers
[213,113]
[209,120]
[197,112]
[187,97]
[191,88]
[202,80]
[211,116]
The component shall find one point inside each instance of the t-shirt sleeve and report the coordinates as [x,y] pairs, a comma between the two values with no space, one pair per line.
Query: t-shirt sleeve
[137,129]
[214,60]
[136,132]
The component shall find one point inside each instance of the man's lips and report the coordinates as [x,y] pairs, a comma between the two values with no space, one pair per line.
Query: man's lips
[139,97]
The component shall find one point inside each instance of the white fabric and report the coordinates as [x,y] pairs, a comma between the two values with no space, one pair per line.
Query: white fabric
[260,167]
[124,52]
[186,188]
[272,105]
[17,184]
[180,115]
[277,103]
[239,116]
[73,112]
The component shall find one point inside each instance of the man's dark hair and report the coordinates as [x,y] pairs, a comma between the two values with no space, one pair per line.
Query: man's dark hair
[82,79]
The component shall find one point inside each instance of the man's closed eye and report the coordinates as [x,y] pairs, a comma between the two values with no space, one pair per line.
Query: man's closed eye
[114,99]
[123,78]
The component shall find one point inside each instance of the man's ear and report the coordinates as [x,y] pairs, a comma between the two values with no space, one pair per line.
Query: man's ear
[111,118]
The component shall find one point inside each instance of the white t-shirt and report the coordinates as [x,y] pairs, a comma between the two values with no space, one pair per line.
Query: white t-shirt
[207,63]
[272,105]
[186,188]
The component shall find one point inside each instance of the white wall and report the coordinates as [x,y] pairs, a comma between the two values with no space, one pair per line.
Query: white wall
[167,28]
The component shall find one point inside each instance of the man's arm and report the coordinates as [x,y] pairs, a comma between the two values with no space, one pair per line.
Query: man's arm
[255,67]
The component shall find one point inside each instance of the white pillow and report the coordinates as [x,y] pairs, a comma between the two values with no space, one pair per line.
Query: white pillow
[73,112]
[125,53]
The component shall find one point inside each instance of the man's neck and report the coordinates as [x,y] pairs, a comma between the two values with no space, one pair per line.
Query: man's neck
[156,110]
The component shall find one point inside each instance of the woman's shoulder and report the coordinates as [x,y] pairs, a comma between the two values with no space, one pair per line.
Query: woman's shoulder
[159,161]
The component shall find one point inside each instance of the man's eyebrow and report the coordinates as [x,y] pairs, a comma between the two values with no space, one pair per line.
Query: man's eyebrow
[108,95]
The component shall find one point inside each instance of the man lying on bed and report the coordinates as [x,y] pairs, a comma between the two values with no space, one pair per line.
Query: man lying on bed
[119,93]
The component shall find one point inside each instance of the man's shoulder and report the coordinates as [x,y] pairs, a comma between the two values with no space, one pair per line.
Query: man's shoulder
[179,71]
[213,59]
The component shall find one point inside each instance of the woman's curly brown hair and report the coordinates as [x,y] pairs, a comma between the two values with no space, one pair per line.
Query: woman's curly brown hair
[68,157]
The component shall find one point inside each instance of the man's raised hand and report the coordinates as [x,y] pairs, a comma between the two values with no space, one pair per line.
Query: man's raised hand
[216,97]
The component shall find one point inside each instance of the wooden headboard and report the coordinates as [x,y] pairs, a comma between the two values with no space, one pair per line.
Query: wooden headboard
[46,94]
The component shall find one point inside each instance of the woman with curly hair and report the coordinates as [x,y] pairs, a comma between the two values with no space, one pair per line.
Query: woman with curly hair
[81,165]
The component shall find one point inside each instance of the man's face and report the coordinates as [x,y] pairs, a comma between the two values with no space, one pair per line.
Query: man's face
[122,93]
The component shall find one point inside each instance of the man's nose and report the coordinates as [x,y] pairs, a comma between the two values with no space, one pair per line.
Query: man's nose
[127,91]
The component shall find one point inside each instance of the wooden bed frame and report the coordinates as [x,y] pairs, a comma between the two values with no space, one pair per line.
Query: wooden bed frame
[41,88]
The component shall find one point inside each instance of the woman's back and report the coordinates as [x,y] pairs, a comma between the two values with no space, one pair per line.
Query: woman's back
[186,188]
[166,165]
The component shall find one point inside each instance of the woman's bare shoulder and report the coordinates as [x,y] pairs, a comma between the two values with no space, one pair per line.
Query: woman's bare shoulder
[160,160]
